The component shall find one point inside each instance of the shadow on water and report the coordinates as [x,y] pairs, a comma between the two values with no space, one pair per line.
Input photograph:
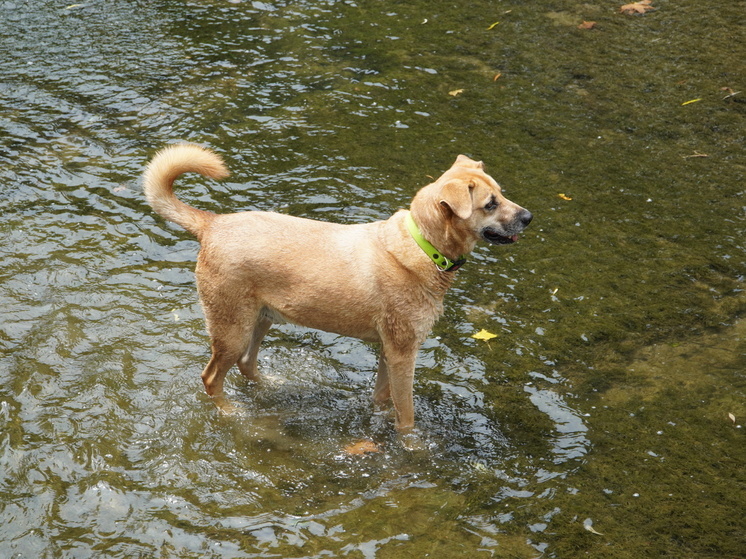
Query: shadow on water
[603,420]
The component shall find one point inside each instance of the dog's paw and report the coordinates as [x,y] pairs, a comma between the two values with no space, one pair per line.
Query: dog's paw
[412,441]
[226,407]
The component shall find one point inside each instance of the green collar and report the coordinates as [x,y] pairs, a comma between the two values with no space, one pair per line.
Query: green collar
[444,264]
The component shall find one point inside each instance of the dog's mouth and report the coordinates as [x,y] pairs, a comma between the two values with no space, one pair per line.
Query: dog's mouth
[492,236]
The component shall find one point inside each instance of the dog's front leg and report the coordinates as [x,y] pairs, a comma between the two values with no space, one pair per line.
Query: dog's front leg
[398,367]
[382,391]
[248,362]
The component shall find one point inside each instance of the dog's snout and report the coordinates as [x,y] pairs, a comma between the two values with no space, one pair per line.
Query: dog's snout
[525,217]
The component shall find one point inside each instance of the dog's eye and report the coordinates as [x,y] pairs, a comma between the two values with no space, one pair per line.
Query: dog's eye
[491,205]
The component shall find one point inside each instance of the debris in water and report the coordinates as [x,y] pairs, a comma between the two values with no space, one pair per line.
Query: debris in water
[637,7]
[484,335]
[588,525]
[362,447]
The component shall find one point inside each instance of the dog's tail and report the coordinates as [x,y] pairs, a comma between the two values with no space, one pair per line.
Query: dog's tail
[162,171]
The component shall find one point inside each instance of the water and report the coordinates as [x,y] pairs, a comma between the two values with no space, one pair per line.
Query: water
[603,402]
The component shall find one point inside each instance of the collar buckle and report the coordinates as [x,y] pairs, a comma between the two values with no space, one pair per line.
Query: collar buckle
[456,265]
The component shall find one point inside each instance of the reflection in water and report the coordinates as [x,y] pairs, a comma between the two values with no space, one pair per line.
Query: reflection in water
[340,111]
[571,442]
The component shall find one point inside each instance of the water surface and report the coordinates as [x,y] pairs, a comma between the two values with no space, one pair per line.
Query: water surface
[602,403]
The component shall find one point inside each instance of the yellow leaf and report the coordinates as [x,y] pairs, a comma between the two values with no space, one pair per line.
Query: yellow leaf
[455,92]
[564,197]
[491,27]
[690,102]
[484,335]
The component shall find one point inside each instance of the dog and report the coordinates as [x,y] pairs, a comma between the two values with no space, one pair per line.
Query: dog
[381,282]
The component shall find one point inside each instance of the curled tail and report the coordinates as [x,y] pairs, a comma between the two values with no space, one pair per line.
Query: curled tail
[162,171]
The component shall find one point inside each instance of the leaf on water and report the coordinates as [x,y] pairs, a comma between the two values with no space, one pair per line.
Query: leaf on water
[587,25]
[480,467]
[695,154]
[362,447]
[589,527]
[637,7]
[731,92]
[564,197]
[484,335]
[455,92]
[690,102]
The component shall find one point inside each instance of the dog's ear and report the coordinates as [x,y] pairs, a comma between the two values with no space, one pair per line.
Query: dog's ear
[464,161]
[455,195]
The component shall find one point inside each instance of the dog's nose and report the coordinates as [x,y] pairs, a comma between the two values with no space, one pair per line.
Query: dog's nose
[525,217]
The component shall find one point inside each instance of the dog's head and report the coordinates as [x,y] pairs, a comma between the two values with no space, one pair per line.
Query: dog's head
[466,205]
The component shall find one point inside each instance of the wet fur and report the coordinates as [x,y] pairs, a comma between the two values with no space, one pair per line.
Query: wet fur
[369,281]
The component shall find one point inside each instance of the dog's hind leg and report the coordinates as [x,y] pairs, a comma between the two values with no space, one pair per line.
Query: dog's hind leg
[224,356]
[231,332]
[247,363]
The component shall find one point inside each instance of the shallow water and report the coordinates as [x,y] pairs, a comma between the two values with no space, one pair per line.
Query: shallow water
[603,402]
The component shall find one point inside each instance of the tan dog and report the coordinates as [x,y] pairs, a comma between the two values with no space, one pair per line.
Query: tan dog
[370,281]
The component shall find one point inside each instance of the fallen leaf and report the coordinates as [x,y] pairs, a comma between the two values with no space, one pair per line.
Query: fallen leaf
[362,447]
[564,197]
[732,418]
[695,154]
[690,102]
[484,335]
[587,25]
[480,467]
[455,92]
[637,8]
[589,527]
[497,76]
[731,92]
[491,27]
